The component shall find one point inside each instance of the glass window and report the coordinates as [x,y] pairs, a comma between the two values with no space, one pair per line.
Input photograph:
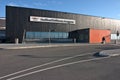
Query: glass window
[2,34]
[39,35]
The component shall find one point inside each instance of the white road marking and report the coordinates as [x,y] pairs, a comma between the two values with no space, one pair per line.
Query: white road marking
[58,66]
[43,65]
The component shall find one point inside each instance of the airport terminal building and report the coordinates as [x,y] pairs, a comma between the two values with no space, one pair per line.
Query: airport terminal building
[43,26]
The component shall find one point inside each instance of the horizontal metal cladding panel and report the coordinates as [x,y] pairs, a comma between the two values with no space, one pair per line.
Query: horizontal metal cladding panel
[18,20]
[82,21]
[41,26]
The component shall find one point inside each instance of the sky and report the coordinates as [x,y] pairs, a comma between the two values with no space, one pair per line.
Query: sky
[102,8]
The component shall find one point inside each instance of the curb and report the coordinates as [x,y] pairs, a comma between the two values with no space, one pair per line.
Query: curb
[29,47]
[44,46]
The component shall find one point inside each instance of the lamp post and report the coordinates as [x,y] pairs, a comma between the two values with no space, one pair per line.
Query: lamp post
[50,30]
[24,36]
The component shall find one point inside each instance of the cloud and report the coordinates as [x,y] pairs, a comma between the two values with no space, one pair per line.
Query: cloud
[54,2]
[46,3]
[12,4]
[16,4]
[39,4]
[36,3]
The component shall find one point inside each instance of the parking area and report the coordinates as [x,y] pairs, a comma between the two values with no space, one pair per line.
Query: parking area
[59,63]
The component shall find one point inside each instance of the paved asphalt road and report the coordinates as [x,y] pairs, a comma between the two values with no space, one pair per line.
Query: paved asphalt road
[59,63]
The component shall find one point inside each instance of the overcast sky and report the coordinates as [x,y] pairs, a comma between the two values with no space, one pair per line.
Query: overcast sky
[103,8]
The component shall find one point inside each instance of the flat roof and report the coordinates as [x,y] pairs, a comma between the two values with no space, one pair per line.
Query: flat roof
[64,12]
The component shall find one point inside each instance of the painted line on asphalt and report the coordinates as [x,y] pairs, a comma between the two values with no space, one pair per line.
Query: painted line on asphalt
[12,74]
[53,67]
[44,46]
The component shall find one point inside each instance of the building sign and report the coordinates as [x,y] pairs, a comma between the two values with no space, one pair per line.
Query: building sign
[51,20]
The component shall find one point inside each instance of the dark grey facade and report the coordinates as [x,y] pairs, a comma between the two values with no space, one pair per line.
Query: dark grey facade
[18,22]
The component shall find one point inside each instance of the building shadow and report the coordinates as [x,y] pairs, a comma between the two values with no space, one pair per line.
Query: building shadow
[35,56]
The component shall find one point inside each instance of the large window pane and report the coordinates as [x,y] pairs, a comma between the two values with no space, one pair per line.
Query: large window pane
[39,35]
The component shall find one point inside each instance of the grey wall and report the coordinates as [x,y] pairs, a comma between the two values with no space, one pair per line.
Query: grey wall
[18,20]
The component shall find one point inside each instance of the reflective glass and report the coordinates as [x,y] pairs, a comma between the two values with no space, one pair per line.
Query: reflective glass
[39,35]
